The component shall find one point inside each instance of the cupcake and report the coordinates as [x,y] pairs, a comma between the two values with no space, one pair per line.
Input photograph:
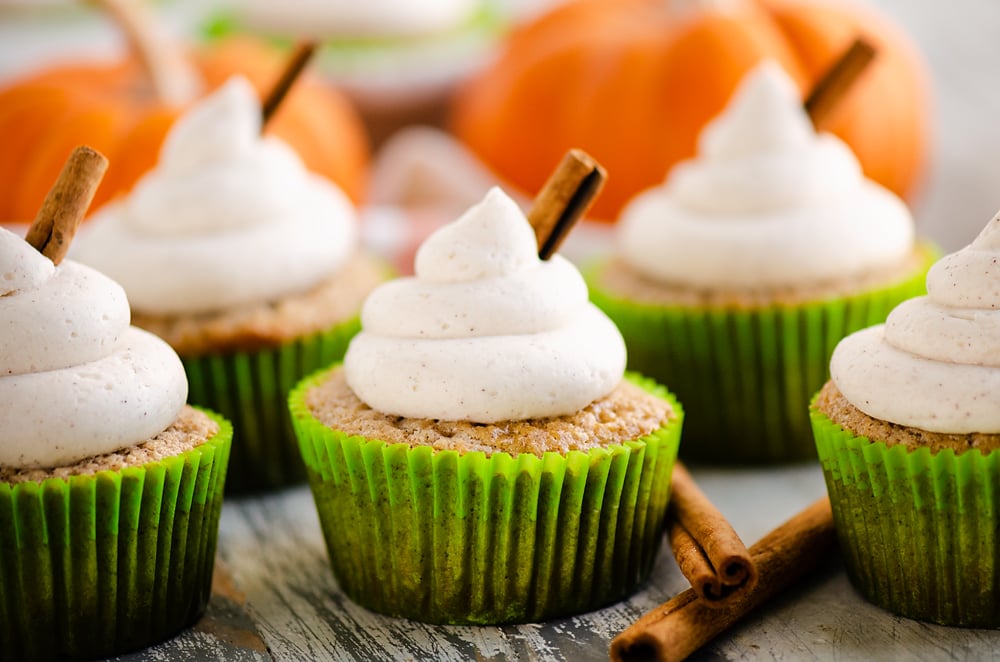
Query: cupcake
[110,486]
[908,432]
[734,280]
[246,264]
[479,457]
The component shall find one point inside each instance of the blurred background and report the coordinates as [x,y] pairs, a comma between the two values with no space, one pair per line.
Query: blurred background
[399,64]
[962,190]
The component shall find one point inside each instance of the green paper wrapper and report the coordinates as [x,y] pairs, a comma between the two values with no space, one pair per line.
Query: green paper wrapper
[251,389]
[98,565]
[745,376]
[918,530]
[444,537]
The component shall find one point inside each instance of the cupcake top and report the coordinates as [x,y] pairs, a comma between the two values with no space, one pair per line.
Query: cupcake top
[485,331]
[349,18]
[766,203]
[935,363]
[76,380]
[227,218]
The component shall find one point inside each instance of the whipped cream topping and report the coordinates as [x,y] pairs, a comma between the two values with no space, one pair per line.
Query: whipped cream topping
[76,380]
[485,331]
[350,18]
[767,202]
[935,363]
[227,217]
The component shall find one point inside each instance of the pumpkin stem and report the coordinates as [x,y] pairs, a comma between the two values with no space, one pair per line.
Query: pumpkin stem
[684,8]
[174,80]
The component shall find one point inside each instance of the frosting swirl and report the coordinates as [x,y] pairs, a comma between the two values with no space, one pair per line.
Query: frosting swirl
[76,380]
[485,331]
[935,363]
[226,218]
[766,203]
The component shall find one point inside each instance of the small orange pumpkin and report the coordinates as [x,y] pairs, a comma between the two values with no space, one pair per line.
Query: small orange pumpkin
[112,107]
[634,81]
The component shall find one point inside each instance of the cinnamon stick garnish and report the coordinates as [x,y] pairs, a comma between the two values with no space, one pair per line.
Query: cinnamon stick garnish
[564,199]
[171,75]
[293,69]
[66,203]
[685,623]
[708,550]
[837,80]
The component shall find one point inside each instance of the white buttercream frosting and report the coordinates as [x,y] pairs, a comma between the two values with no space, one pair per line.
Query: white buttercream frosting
[226,218]
[485,331]
[350,18]
[767,202]
[76,380]
[935,363]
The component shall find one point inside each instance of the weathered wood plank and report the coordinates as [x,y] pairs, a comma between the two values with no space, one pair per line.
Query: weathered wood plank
[225,632]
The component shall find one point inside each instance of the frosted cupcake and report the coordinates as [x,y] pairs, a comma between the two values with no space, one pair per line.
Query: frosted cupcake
[908,432]
[110,486]
[246,263]
[734,280]
[479,458]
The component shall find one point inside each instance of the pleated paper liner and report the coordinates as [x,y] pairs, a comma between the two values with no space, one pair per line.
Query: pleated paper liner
[444,537]
[918,530]
[99,565]
[251,389]
[745,376]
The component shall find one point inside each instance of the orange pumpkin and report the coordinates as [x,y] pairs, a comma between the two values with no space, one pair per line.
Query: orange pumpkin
[634,81]
[113,109]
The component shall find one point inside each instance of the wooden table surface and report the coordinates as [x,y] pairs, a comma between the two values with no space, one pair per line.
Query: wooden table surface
[272,550]
[276,597]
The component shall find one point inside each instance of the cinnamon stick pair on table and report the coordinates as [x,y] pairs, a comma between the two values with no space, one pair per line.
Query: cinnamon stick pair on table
[707,549]
[682,625]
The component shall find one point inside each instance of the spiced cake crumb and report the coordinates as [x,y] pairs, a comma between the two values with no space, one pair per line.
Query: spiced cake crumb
[191,429]
[627,413]
[832,403]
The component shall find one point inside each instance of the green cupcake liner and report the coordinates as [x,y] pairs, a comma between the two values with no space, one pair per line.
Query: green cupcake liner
[918,530]
[251,389]
[745,376]
[102,564]
[444,537]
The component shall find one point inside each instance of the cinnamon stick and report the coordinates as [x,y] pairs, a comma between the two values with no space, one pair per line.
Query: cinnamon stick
[66,203]
[564,199]
[293,69]
[708,550]
[685,623]
[837,80]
